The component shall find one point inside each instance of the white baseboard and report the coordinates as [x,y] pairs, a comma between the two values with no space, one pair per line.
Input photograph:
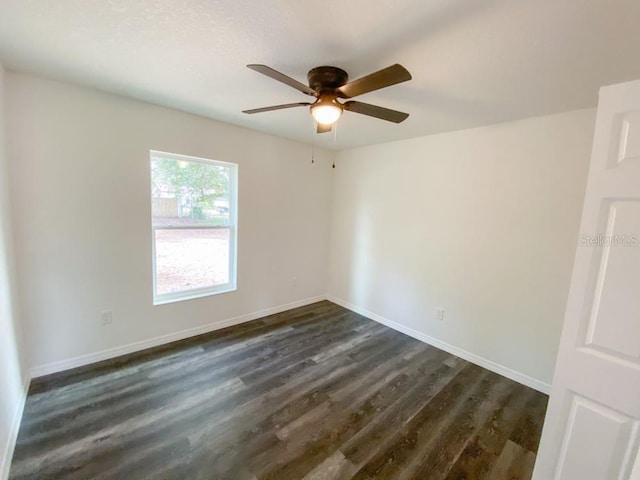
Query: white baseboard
[82,360]
[458,352]
[7,455]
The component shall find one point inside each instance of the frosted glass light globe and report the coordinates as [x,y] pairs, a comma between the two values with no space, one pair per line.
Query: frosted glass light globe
[326,113]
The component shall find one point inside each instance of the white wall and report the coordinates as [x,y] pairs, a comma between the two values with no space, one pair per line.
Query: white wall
[481,222]
[11,384]
[81,209]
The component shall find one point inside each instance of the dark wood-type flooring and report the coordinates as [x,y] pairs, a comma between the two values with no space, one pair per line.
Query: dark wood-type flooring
[313,393]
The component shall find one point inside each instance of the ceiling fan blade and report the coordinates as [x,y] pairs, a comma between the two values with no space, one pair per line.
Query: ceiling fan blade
[376,111]
[375,81]
[320,128]
[281,77]
[276,107]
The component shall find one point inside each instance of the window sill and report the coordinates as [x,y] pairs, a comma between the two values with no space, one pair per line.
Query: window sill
[193,294]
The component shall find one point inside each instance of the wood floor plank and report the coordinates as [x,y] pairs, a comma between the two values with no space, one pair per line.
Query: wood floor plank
[335,467]
[515,463]
[379,434]
[529,428]
[483,450]
[424,429]
[354,417]
[313,393]
[437,457]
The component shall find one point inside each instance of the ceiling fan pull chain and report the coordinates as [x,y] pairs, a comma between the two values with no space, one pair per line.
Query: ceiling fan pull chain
[335,142]
[313,140]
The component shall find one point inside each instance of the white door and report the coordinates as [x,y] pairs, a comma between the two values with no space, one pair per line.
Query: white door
[591,428]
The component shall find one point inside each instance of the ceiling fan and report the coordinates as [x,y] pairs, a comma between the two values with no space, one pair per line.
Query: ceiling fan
[328,84]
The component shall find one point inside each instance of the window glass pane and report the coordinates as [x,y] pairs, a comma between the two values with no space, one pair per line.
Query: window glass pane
[191,258]
[189,193]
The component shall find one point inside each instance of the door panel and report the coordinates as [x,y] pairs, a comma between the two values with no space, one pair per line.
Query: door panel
[614,325]
[614,433]
[629,137]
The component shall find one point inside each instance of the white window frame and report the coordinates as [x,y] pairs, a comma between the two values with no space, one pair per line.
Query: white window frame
[231,285]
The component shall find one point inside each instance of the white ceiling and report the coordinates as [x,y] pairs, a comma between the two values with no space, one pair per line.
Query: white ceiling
[474,62]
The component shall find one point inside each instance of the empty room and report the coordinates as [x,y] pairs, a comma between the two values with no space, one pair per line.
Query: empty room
[294,240]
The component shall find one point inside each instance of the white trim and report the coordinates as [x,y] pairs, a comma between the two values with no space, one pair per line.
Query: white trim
[7,455]
[190,158]
[458,352]
[192,294]
[82,360]
[190,227]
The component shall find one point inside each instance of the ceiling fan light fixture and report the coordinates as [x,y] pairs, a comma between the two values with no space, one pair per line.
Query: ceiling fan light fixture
[326,112]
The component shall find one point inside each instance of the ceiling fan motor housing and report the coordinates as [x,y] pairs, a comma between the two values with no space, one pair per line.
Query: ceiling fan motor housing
[326,79]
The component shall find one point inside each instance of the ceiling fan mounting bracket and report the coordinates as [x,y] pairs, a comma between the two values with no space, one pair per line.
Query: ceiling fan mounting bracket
[323,79]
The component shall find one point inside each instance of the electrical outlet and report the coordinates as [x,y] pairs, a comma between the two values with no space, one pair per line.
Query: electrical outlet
[106,318]
[440,314]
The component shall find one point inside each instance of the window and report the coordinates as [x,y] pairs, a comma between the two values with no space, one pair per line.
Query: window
[193,217]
